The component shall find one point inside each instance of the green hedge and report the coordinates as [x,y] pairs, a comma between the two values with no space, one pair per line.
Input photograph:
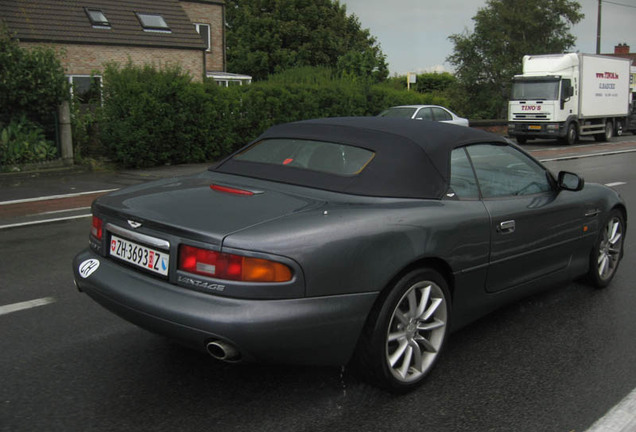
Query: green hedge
[152,117]
[32,85]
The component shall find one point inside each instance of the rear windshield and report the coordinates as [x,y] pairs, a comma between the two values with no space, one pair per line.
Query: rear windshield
[331,158]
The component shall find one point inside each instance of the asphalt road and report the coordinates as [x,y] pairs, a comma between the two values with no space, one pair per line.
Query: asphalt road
[554,362]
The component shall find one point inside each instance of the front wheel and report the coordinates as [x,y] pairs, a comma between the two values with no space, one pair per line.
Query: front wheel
[406,332]
[607,251]
[571,135]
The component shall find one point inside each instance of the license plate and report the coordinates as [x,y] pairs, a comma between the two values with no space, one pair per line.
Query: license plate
[534,127]
[141,256]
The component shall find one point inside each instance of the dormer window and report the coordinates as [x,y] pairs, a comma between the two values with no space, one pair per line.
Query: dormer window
[97,18]
[153,22]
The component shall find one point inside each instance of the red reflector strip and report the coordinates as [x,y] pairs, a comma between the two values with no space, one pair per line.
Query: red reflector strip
[231,190]
[96,228]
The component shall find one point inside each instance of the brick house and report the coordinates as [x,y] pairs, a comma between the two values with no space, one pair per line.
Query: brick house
[622,50]
[86,34]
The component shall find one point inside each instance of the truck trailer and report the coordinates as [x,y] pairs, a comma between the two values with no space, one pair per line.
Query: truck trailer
[567,96]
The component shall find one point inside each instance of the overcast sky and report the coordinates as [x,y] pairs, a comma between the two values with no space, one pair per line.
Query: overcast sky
[414,33]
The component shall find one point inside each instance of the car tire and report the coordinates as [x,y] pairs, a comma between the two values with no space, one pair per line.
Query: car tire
[405,332]
[607,251]
[522,140]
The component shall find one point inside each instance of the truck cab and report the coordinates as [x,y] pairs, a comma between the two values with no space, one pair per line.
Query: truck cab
[540,106]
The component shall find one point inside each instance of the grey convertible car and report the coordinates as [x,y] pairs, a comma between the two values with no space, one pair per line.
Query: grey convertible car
[348,240]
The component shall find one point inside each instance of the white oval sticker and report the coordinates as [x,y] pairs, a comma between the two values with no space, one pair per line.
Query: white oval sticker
[87,267]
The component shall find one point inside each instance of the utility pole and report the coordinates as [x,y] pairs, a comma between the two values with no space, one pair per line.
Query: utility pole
[598,29]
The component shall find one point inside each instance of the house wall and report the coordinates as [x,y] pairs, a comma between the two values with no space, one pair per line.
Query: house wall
[212,14]
[87,59]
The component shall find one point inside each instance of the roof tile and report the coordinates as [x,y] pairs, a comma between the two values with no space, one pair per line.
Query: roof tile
[67,22]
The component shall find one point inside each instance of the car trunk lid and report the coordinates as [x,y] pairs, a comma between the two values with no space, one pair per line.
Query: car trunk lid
[206,207]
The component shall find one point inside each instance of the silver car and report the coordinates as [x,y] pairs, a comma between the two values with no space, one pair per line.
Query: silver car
[425,112]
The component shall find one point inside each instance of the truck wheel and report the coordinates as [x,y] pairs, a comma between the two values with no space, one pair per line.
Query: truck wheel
[571,135]
[522,140]
[608,134]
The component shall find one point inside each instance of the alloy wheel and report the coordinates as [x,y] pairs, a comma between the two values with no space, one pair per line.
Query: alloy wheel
[416,331]
[610,248]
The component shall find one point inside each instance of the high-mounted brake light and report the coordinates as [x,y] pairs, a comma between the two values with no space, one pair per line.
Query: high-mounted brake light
[96,228]
[228,189]
[218,265]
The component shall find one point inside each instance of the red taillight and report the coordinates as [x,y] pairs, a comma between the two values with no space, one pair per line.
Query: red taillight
[218,265]
[96,228]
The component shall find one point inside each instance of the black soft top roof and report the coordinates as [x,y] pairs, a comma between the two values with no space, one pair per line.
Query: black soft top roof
[412,157]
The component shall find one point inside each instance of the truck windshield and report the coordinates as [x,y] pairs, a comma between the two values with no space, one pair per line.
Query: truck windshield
[535,90]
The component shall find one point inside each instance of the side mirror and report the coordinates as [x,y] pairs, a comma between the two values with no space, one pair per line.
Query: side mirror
[570,181]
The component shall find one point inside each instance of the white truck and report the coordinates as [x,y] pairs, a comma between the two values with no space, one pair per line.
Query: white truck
[567,96]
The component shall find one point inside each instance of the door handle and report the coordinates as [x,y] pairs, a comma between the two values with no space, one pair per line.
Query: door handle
[507,227]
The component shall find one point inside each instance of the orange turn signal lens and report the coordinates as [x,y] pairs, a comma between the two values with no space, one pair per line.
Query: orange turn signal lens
[260,270]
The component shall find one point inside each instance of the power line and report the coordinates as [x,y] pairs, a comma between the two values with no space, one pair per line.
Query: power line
[619,4]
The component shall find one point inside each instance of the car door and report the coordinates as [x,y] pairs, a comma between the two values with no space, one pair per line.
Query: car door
[441,115]
[424,113]
[535,228]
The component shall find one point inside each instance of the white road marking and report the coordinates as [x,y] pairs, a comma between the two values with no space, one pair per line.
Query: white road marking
[21,224]
[64,211]
[26,305]
[52,197]
[609,153]
[615,184]
[621,418]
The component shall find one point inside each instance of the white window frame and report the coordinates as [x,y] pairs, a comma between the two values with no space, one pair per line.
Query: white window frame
[101,83]
[197,27]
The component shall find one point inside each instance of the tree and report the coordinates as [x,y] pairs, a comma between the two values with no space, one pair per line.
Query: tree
[32,82]
[505,30]
[32,85]
[270,36]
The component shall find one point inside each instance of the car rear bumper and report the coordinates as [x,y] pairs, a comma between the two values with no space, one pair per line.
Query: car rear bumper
[317,330]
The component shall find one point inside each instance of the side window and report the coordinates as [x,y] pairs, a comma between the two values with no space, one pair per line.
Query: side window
[462,180]
[87,89]
[441,114]
[503,170]
[424,114]
[204,31]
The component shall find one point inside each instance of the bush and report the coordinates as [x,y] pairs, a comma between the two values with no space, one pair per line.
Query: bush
[153,117]
[383,96]
[32,82]
[22,141]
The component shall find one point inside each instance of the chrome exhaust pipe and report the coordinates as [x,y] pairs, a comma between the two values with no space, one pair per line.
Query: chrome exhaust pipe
[224,351]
